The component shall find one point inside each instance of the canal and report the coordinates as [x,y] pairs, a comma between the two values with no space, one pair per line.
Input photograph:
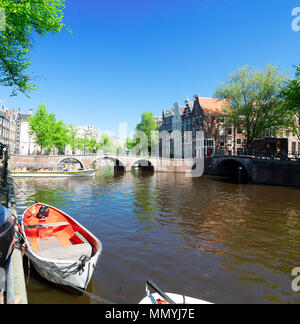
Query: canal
[202,237]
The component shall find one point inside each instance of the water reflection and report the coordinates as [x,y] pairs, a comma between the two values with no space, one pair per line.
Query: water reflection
[203,237]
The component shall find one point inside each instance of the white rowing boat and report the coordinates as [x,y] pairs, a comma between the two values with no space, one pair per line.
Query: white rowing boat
[160,297]
[60,249]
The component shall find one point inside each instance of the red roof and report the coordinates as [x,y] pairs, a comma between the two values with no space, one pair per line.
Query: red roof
[213,106]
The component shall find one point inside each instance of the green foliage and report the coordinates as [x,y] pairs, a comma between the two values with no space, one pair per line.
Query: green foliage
[290,95]
[143,135]
[22,19]
[60,136]
[106,144]
[130,143]
[253,100]
[47,131]
[41,126]
[72,137]
[147,125]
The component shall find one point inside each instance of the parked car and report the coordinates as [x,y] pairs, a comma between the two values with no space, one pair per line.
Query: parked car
[7,234]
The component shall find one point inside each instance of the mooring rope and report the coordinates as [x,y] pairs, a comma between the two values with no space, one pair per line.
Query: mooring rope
[22,192]
[78,267]
[61,273]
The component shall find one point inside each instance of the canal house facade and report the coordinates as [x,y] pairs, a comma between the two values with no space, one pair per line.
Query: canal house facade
[198,128]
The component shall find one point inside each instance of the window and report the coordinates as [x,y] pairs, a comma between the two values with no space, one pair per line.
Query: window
[229,131]
[238,141]
[294,148]
[221,120]
[239,151]
[222,142]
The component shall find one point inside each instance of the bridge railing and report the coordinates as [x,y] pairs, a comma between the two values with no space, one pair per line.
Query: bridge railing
[262,154]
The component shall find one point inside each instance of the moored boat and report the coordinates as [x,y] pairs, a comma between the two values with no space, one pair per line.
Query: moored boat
[50,170]
[60,249]
[7,234]
[160,297]
[53,174]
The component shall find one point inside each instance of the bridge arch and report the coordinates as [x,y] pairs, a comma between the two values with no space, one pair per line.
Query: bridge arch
[143,164]
[233,168]
[72,160]
[119,165]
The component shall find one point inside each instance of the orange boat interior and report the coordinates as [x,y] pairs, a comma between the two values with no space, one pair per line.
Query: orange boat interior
[56,227]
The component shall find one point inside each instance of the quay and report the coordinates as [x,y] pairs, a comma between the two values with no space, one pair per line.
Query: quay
[15,287]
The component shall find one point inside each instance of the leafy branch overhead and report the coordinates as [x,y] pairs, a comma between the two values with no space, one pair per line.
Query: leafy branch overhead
[22,18]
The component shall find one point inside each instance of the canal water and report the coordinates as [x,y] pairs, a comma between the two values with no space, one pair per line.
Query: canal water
[202,237]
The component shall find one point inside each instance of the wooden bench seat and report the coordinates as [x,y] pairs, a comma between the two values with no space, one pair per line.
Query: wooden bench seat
[52,248]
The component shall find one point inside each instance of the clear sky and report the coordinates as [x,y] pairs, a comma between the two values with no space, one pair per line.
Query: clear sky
[129,56]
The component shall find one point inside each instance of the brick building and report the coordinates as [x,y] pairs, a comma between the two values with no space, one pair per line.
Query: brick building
[202,116]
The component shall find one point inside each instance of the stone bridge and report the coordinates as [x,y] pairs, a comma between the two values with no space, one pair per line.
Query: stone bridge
[233,166]
[257,170]
[123,162]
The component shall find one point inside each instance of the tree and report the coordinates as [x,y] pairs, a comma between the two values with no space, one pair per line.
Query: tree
[93,145]
[60,136]
[146,126]
[47,131]
[253,100]
[73,138]
[290,95]
[22,18]
[42,126]
[106,143]
[130,144]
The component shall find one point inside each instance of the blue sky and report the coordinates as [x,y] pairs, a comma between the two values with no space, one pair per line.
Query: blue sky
[129,56]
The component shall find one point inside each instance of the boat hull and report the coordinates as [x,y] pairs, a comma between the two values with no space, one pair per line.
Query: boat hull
[50,174]
[62,268]
[7,234]
[53,272]
[178,299]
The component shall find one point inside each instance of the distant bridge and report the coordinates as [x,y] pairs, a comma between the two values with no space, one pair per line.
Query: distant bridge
[249,168]
[122,162]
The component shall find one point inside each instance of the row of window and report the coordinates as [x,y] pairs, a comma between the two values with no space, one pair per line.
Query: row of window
[295,148]
[229,142]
